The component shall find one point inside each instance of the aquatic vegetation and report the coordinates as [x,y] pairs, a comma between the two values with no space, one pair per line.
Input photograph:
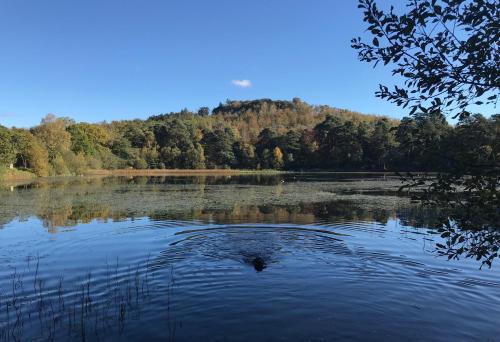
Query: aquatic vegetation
[41,308]
[69,201]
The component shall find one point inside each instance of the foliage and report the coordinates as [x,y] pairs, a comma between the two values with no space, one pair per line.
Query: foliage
[52,132]
[21,141]
[86,138]
[447,52]
[179,145]
[38,158]
[7,154]
[308,137]
[218,146]
[482,245]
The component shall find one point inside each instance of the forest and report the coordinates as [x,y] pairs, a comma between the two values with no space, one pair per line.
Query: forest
[258,134]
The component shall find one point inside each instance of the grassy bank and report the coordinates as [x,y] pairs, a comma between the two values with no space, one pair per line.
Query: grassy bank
[15,175]
[176,172]
[10,175]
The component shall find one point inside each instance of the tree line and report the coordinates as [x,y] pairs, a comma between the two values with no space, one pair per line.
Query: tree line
[258,134]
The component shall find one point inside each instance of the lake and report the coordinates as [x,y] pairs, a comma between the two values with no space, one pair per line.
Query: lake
[288,257]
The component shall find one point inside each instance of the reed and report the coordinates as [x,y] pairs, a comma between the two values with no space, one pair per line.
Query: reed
[89,309]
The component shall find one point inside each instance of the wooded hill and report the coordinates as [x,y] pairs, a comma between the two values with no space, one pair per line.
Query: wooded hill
[258,134]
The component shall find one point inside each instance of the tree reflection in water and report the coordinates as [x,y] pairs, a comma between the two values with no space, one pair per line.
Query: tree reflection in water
[481,244]
[468,218]
[466,231]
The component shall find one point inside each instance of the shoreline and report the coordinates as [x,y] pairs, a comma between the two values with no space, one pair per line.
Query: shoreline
[179,172]
[17,177]
[14,176]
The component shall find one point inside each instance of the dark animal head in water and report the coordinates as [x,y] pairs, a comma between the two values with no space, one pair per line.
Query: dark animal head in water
[259,264]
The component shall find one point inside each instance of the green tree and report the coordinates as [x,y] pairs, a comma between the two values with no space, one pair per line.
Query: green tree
[422,141]
[339,144]
[380,144]
[76,164]
[122,148]
[86,138]
[21,140]
[179,145]
[245,154]
[475,144]
[7,153]
[218,147]
[59,166]
[203,111]
[267,141]
[291,146]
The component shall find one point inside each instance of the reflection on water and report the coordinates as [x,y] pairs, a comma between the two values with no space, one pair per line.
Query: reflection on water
[293,257]
[286,198]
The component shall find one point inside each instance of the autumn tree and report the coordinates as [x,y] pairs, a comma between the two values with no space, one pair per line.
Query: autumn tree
[277,161]
[38,158]
[53,134]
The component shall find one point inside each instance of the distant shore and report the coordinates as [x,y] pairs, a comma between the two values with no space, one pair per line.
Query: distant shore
[16,175]
[179,172]
[13,175]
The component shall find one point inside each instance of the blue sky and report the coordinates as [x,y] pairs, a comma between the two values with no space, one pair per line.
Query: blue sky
[107,60]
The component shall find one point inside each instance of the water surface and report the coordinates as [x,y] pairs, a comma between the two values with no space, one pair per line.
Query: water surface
[304,257]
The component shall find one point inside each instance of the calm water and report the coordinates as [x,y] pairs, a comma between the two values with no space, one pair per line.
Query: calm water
[247,258]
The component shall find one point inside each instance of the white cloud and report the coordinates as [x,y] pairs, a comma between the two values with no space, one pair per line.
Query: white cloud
[242,83]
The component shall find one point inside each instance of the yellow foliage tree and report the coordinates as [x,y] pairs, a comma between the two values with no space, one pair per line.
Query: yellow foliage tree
[277,158]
